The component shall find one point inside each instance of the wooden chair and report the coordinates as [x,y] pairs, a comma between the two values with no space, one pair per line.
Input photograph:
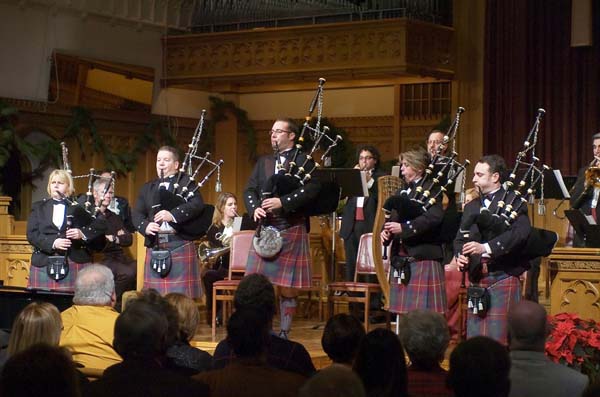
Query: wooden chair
[357,291]
[224,290]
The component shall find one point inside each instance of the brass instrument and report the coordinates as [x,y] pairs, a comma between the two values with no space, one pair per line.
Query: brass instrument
[208,253]
[592,176]
[592,180]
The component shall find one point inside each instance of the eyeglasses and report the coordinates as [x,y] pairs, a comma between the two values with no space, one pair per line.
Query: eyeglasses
[366,158]
[277,132]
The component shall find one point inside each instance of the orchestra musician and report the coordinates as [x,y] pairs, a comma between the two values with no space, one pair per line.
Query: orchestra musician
[500,263]
[116,237]
[163,229]
[290,269]
[419,250]
[219,235]
[55,229]
[359,212]
[585,196]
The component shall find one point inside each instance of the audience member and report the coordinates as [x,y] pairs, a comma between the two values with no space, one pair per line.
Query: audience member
[249,374]
[181,354]
[89,324]
[40,370]
[334,381]
[425,337]
[531,372]
[341,337]
[479,367]
[38,322]
[141,335]
[380,364]
[255,291]
[593,390]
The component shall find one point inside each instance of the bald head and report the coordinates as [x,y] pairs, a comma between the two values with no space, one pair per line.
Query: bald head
[527,326]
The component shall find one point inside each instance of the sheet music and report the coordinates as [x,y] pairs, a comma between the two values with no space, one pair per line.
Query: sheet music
[363,179]
[459,182]
[237,223]
[561,183]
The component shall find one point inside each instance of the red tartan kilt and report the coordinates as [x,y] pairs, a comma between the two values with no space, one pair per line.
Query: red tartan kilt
[425,290]
[38,278]
[292,266]
[505,291]
[184,276]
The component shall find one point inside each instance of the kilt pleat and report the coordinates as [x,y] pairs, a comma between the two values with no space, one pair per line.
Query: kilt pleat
[505,291]
[425,290]
[292,266]
[39,279]
[184,276]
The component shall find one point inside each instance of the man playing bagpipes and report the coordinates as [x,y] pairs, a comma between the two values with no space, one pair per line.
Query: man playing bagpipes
[491,251]
[171,261]
[284,209]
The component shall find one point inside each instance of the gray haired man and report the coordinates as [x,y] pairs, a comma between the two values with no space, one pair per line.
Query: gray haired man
[88,325]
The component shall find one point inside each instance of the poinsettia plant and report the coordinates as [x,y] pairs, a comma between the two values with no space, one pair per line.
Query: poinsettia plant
[575,342]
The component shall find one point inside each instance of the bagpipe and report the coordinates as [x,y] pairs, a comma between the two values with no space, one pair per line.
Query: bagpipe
[185,188]
[298,173]
[487,225]
[83,210]
[438,179]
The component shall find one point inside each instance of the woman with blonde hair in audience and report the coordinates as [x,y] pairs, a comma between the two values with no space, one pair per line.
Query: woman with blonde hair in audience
[182,356]
[38,322]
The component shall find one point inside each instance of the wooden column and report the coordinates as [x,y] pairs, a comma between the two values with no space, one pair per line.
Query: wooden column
[227,147]
[467,88]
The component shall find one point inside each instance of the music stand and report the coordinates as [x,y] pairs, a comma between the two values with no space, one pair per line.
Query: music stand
[589,232]
[555,186]
[350,185]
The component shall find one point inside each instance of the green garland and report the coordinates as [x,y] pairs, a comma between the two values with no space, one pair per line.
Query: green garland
[155,134]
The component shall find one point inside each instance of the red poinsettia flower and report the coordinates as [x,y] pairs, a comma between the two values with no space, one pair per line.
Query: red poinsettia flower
[575,342]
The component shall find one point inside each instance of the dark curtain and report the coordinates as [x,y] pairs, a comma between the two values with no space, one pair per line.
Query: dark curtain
[529,64]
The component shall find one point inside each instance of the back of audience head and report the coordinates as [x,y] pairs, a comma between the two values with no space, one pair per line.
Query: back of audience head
[527,326]
[424,335]
[38,322]
[341,337]
[479,367]
[141,331]
[333,381]
[95,286]
[153,297]
[40,370]
[380,364]
[248,333]
[255,291]
[188,315]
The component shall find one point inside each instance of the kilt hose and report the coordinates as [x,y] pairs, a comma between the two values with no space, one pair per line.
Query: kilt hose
[425,290]
[292,266]
[184,276]
[39,279]
[504,290]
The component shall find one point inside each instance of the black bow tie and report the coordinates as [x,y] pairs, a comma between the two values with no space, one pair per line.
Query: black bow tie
[55,202]
[489,197]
